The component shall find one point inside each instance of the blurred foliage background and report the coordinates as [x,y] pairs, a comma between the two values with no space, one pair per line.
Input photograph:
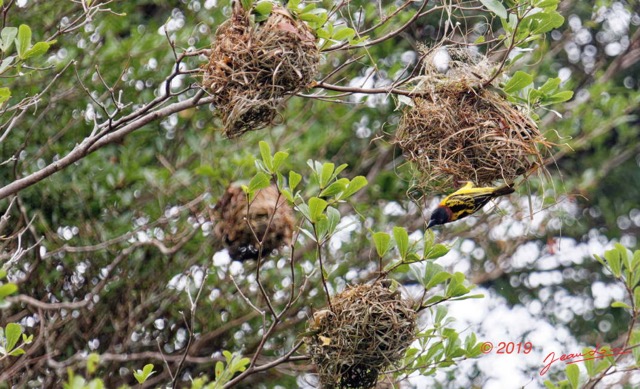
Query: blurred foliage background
[132,220]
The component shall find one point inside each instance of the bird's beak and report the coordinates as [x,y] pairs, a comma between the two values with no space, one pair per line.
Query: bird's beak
[431,223]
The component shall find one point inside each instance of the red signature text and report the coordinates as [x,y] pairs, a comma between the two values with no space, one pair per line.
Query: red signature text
[595,353]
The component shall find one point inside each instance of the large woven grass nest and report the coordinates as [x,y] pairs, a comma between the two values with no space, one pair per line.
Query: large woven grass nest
[243,227]
[367,329]
[460,128]
[254,65]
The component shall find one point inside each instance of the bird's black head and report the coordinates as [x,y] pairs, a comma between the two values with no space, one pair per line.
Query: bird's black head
[440,215]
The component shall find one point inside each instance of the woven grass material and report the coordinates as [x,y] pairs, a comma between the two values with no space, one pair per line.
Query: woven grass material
[368,329]
[254,66]
[238,226]
[460,130]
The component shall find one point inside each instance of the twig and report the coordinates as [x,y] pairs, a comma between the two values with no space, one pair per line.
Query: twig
[91,144]
[256,369]
[194,304]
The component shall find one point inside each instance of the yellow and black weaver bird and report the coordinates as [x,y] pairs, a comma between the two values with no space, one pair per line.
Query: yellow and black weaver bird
[464,202]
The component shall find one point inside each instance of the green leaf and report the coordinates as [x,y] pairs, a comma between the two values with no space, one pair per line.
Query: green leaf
[8,35]
[546,22]
[437,251]
[7,289]
[323,33]
[546,3]
[355,185]
[27,339]
[260,181]
[12,333]
[412,257]
[519,81]
[287,194]
[316,207]
[620,304]
[278,159]
[326,173]
[246,4]
[549,86]
[402,241]
[333,217]
[335,188]
[339,169]
[635,262]
[37,50]
[23,43]
[265,152]
[311,18]
[496,7]
[344,34]
[624,255]
[93,360]
[573,375]
[5,94]
[16,352]
[456,287]
[634,342]
[95,384]
[357,41]
[469,296]
[264,8]
[434,274]
[438,278]
[142,375]
[219,369]
[293,4]
[588,363]
[148,369]
[441,313]
[382,241]
[294,179]
[559,97]
[614,261]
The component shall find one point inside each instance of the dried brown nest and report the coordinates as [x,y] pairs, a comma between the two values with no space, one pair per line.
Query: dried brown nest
[367,329]
[461,130]
[254,66]
[269,218]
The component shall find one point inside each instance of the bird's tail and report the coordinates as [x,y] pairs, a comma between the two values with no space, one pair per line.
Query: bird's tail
[503,190]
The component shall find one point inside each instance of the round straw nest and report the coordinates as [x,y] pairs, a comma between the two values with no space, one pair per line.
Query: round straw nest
[367,329]
[463,129]
[254,66]
[269,218]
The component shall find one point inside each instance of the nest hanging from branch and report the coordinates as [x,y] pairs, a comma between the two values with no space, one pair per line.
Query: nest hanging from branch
[461,130]
[368,329]
[269,218]
[254,66]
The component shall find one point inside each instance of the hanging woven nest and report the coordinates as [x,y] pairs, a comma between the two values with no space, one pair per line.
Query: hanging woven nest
[367,329]
[460,130]
[254,66]
[240,227]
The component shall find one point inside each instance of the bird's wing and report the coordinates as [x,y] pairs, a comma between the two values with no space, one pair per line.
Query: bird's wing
[462,205]
[468,191]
